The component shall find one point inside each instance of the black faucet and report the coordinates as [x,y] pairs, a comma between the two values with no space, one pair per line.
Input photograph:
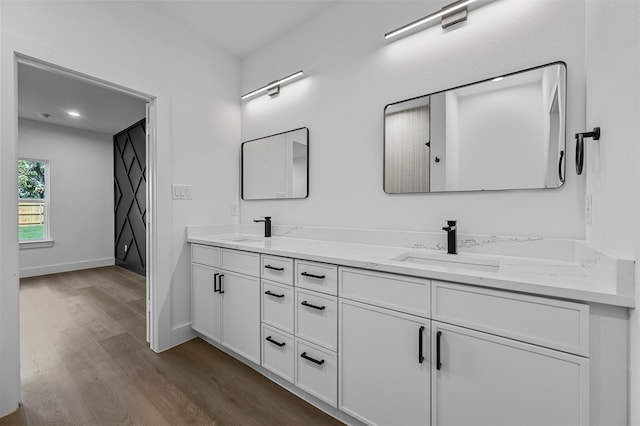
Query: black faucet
[267,225]
[452,244]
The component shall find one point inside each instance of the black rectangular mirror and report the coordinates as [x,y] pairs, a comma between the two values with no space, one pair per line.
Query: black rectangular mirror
[506,132]
[276,166]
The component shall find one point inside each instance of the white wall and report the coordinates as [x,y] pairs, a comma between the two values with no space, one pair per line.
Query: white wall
[613,103]
[500,134]
[196,90]
[80,193]
[352,73]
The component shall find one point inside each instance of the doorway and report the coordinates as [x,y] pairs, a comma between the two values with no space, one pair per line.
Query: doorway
[148,108]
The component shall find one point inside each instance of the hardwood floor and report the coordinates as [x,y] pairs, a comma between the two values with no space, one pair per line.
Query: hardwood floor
[84,361]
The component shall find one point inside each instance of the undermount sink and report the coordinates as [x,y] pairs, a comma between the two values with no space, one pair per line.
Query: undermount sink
[243,239]
[450,261]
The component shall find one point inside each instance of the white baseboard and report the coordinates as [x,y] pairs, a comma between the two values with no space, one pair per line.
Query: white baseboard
[65,267]
[182,333]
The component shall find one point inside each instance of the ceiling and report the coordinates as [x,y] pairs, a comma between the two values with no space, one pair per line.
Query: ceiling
[237,26]
[240,27]
[101,110]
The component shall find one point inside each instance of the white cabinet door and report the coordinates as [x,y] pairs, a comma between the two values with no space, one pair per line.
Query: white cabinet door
[241,314]
[384,369]
[205,303]
[483,379]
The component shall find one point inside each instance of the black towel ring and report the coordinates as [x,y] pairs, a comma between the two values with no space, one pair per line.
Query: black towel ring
[595,134]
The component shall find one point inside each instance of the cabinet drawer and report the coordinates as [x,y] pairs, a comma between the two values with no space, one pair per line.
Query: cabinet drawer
[541,321]
[277,305]
[397,292]
[317,276]
[243,262]
[278,352]
[317,318]
[279,269]
[205,255]
[317,371]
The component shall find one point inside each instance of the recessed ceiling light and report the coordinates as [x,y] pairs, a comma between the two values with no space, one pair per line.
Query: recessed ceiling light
[73,113]
[497,79]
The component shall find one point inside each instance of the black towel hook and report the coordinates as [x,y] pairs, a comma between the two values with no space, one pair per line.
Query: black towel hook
[595,134]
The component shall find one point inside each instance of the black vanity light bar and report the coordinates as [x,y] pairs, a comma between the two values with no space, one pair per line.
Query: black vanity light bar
[273,88]
[447,10]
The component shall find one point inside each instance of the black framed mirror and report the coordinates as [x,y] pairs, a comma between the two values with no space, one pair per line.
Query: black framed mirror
[276,166]
[506,132]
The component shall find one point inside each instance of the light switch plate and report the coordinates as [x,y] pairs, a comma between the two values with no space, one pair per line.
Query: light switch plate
[234,209]
[181,192]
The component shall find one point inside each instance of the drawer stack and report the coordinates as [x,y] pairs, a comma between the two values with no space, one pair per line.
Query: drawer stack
[278,346]
[300,323]
[316,329]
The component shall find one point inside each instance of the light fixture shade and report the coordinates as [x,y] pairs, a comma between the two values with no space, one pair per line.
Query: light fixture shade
[274,84]
[453,7]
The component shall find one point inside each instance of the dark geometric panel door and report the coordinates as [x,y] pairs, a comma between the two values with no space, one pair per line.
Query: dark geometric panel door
[130,186]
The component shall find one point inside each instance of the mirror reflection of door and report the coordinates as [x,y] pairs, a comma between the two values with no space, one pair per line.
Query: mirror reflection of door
[501,133]
[407,150]
[554,173]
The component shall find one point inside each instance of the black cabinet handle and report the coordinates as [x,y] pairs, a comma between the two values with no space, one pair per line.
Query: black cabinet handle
[306,274]
[273,268]
[420,353]
[269,339]
[305,303]
[438,362]
[315,361]
[220,290]
[215,282]
[279,296]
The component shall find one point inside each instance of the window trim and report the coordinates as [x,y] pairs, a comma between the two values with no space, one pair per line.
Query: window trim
[47,241]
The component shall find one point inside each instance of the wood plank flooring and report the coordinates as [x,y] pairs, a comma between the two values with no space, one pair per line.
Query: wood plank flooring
[84,361]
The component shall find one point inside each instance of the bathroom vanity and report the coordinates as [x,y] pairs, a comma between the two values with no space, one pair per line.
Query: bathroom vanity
[389,335]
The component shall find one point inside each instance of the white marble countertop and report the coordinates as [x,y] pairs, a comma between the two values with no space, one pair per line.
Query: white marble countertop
[546,277]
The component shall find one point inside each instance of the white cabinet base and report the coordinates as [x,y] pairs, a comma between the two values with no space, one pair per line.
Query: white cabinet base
[383,380]
[485,380]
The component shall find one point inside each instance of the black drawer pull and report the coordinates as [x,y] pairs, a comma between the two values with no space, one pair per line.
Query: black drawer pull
[220,290]
[215,283]
[306,274]
[305,303]
[279,296]
[420,354]
[307,357]
[438,362]
[274,268]
[269,339]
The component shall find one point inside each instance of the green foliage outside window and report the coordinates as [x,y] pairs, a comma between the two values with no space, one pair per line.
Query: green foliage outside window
[31,180]
[32,195]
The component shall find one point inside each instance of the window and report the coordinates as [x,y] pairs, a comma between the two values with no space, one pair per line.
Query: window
[33,200]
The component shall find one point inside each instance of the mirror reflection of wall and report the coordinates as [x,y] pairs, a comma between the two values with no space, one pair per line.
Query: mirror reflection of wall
[276,166]
[504,133]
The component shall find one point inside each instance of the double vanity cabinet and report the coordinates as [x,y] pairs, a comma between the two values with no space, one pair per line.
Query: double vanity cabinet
[391,349]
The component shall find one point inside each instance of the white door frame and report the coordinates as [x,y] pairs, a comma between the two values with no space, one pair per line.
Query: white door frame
[151,202]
